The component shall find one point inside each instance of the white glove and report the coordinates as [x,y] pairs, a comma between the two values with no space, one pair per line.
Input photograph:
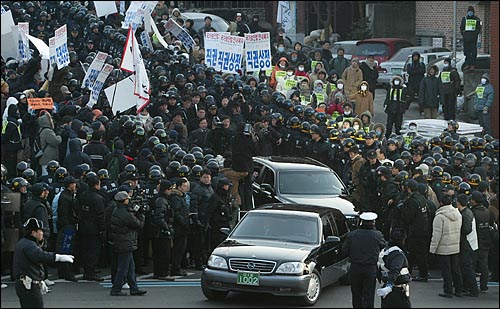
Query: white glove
[384,291]
[44,289]
[65,258]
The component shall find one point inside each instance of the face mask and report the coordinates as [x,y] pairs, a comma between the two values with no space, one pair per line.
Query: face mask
[363,88]
[340,86]
[334,79]
[446,65]
[301,69]
[281,49]
[294,58]
[396,82]
[319,89]
[347,112]
[356,127]
[282,66]
[483,81]
[470,13]
[378,133]
[289,73]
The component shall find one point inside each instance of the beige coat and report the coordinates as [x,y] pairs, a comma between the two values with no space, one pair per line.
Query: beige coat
[356,181]
[446,231]
[352,79]
[363,103]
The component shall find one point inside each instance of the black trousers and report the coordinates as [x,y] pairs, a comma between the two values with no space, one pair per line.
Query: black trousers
[396,299]
[245,189]
[450,269]
[139,258]
[90,250]
[161,256]
[178,254]
[467,258]
[449,102]
[395,120]
[363,282]
[470,52]
[482,267]
[196,243]
[29,298]
[417,255]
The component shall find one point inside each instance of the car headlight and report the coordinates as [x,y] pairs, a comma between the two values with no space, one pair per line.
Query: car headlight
[291,268]
[216,261]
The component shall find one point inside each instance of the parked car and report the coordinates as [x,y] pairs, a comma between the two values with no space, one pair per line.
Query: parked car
[348,46]
[301,181]
[381,48]
[281,249]
[219,23]
[482,63]
[425,58]
[395,65]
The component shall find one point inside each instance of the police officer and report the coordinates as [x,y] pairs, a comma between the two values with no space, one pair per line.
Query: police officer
[393,271]
[219,212]
[28,264]
[163,218]
[363,248]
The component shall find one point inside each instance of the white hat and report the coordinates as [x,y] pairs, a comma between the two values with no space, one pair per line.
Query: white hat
[368,216]
[424,168]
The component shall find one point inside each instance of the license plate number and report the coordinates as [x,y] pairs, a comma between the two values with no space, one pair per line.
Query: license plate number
[246,278]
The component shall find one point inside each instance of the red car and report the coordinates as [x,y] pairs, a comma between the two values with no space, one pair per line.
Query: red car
[381,48]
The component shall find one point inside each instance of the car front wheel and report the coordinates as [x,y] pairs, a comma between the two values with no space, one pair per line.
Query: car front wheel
[212,294]
[313,290]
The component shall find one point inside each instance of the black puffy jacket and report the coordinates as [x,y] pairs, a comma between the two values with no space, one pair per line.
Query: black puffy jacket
[181,213]
[416,215]
[125,226]
[29,259]
[199,201]
[163,217]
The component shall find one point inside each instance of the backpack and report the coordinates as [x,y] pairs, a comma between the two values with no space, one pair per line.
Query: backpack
[37,145]
[113,168]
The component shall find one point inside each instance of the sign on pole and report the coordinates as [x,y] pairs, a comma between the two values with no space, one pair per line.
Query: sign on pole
[62,53]
[258,51]
[181,34]
[104,8]
[94,69]
[98,84]
[24,47]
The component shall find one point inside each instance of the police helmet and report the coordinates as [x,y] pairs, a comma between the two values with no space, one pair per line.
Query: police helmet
[103,174]
[455,181]
[155,175]
[474,180]
[315,129]
[183,171]
[29,174]
[446,178]
[464,188]
[130,169]
[17,183]
[189,159]
[179,155]
[213,166]
[21,167]
[437,172]
[60,174]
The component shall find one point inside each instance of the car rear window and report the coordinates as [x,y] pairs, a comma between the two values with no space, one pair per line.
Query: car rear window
[376,49]
[348,48]
[309,183]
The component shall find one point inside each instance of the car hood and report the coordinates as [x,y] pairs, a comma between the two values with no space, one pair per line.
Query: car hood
[392,64]
[333,201]
[264,250]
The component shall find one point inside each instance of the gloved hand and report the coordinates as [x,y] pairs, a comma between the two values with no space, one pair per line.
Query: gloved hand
[485,110]
[384,291]
[65,258]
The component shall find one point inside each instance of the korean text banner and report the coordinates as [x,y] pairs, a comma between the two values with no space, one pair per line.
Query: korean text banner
[181,34]
[258,51]
[225,52]
[62,53]
[94,69]
[98,84]
[24,47]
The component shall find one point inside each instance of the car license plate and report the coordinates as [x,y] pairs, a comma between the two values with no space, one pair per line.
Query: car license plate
[246,278]
[396,71]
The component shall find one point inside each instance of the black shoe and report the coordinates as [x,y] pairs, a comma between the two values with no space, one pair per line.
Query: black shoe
[458,294]
[447,295]
[485,290]
[138,293]
[117,293]
[139,271]
[420,279]
[180,273]
[470,294]
[72,278]
[98,279]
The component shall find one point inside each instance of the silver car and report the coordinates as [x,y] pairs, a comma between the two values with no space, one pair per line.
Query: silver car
[281,249]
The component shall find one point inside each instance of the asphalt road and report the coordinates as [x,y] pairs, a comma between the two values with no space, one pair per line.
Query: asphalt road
[186,293]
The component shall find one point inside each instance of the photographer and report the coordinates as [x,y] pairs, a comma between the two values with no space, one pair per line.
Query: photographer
[126,220]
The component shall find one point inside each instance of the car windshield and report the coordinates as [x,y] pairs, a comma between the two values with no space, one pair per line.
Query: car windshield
[401,55]
[280,227]
[348,48]
[309,183]
[376,49]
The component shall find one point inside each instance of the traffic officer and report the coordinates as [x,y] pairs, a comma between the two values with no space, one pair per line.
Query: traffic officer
[363,247]
[394,272]
[28,264]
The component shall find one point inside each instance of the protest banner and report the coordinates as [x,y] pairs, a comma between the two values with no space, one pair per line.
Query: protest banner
[94,69]
[62,53]
[104,8]
[258,51]
[146,40]
[7,22]
[52,50]
[230,52]
[211,49]
[132,16]
[98,84]
[24,46]
[40,103]
[40,45]
[181,34]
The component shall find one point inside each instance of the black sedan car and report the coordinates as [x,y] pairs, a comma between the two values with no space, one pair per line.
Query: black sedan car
[301,181]
[281,249]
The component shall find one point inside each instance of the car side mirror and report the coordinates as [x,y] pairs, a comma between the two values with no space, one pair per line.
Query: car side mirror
[332,240]
[267,187]
[225,231]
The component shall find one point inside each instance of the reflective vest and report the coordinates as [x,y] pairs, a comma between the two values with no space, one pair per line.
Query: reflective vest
[445,77]
[396,94]
[480,92]
[4,128]
[470,24]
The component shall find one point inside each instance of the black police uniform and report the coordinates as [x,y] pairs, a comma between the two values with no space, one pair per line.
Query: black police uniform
[28,261]
[163,241]
[363,248]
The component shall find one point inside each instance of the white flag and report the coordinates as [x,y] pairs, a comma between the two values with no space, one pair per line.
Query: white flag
[128,58]
[141,75]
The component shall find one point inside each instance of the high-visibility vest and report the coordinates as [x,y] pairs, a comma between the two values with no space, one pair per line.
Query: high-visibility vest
[470,24]
[445,77]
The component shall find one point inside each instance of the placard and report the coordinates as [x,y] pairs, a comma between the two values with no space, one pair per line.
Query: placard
[62,53]
[258,51]
[41,103]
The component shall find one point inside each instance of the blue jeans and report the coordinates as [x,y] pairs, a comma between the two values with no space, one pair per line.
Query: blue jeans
[125,272]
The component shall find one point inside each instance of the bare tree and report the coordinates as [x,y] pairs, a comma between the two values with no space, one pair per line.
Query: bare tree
[319,9]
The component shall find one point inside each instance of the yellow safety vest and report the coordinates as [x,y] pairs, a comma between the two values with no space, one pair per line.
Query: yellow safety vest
[480,92]
[396,94]
[280,74]
[4,128]
[320,97]
[445,77]
[290,83]
[470,24]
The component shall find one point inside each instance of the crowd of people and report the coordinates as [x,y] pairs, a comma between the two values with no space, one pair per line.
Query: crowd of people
[108,186]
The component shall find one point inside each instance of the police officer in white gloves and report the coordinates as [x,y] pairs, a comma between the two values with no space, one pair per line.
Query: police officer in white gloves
[394,273]
[363,247]
[28,264]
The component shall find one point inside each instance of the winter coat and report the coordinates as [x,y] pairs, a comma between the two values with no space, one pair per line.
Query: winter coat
[92,213]
[162,216]
[66,210]
[446,231]
[124,228]
[449,81]
[76,156]
[219,210]
[339,64]
[273,82]
[416,71]
[470,35]
[428,93]
[468,234]
[352,78]
[243,150]
[482,216]
[96,151]
[48,138]
[181,213]
[487,97]
[37,207]
[395,100]
[356,164]
[11,131]
[364,102]
[416,216]
[370,75]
